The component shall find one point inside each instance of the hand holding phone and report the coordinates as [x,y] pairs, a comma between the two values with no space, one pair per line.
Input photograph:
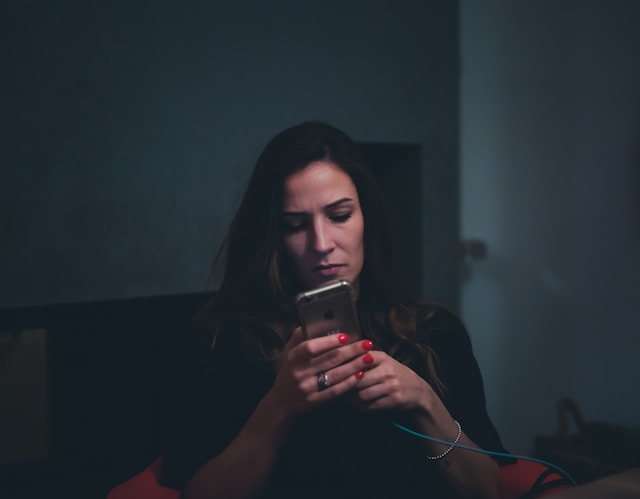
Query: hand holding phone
[329,310]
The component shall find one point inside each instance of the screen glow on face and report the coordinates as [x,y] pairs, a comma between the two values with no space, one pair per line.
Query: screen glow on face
[323,225]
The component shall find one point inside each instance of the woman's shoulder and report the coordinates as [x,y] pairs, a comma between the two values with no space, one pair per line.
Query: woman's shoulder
[234,351]
[438,324]
[208,345]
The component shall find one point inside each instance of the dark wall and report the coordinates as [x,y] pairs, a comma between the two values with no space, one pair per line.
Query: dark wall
[130,128]
[550,179]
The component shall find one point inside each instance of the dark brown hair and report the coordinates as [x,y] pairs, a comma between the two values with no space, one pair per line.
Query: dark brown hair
[257,286]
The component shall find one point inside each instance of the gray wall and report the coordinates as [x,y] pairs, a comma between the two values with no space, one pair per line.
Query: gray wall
[129,130]
[131,127]
[550,179]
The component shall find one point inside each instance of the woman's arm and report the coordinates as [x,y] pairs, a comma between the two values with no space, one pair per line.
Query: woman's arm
[389,385]
[467,473]
[244,467]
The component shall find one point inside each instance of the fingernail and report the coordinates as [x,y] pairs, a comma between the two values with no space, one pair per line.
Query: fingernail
[367,359]
[367,345]
[360,375]
[343,338]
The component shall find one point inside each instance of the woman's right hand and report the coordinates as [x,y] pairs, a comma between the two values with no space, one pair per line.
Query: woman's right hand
[296,388]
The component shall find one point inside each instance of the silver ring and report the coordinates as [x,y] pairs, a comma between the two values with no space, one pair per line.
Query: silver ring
[323,381]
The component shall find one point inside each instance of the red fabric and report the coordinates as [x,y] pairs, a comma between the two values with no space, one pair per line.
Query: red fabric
[517,479]
[144,485]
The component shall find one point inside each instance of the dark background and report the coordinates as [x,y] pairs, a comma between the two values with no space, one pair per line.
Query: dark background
[129,129]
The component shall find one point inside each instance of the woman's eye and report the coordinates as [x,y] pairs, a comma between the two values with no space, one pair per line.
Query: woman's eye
[341,218]
[292,228]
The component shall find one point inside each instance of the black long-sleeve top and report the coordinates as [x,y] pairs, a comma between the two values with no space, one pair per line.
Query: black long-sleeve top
[334,451]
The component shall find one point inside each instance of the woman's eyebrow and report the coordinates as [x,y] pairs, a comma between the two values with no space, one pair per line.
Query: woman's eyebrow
[334,204]
[338,203]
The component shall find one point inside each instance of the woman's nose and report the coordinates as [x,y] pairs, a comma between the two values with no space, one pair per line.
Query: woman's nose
[322,238]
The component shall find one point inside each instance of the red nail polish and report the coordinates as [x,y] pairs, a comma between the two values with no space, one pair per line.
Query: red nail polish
[367,359]
[367,345]
[343,338]
[360,375]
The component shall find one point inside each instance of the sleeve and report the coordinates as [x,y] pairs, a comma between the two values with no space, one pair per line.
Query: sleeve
[464,393]
[208,406]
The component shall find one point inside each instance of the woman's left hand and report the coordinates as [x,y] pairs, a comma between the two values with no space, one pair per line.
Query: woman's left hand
[390,385]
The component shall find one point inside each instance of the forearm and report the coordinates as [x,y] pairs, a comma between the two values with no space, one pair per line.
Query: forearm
[467,473]
[243,468]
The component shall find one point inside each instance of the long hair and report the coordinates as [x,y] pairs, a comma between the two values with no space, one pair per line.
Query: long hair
[258,285]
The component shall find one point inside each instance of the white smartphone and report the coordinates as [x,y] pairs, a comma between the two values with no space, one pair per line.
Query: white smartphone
[329,310]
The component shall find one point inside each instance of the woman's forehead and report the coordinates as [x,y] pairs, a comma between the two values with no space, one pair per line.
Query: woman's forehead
[319,184]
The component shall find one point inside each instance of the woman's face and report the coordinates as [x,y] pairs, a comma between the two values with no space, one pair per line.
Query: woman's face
[323,225]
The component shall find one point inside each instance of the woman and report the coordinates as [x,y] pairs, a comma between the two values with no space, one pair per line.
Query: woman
[256,420]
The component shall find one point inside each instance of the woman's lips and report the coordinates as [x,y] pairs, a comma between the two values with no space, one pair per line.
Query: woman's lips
[327,270]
